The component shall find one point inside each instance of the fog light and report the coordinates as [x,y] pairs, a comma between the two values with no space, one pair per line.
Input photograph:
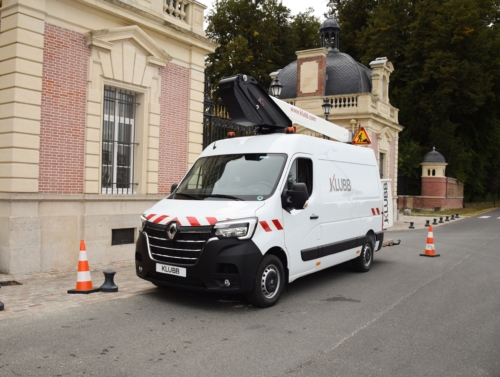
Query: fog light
[227,283]
[140,268]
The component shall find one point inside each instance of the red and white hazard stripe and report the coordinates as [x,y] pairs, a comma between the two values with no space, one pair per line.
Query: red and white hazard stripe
[375,211]
[184,220]
[270,226]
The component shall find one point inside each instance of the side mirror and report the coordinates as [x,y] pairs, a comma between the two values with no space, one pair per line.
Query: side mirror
[296,197]
[173,187]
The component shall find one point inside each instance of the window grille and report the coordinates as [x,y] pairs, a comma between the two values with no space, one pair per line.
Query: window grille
[118,142]
[382,165]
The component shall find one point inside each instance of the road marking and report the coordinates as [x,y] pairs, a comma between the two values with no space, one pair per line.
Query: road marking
[485,217]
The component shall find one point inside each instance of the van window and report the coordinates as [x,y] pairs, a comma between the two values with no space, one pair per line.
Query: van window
[301,171]
[252,176]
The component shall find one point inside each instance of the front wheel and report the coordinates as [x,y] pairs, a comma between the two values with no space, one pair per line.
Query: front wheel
[365,259]
[269,282]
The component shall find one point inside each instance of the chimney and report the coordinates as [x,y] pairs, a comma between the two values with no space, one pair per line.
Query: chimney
[311,72]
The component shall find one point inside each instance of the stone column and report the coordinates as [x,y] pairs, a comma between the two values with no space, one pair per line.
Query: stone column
[197,80]
[21,65]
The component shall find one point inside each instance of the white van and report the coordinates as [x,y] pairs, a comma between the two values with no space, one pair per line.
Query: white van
[255,213]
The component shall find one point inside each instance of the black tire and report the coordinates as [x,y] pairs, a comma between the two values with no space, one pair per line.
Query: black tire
[269,282]
[365,259]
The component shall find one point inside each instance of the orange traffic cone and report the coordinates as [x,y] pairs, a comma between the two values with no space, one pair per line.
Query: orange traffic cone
[430,251]
[83,279]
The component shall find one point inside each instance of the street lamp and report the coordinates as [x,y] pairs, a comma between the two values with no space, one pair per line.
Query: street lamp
[276,88]
[327,106]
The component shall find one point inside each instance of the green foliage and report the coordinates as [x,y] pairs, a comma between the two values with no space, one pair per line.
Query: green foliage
[256,37]
[446,81]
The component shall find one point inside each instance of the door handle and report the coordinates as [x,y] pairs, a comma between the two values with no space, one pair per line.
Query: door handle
[314,217]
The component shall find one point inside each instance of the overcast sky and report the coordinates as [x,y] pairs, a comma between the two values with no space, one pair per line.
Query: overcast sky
[295,6]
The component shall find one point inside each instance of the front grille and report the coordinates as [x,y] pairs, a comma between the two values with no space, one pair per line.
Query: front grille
[185,249]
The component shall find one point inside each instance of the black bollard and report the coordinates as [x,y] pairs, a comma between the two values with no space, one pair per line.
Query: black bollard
[441,220]
[447,218]
[411,226]
[456,216]
[109,284]
[453,217]
[435,222]
[1,306]
[427,223]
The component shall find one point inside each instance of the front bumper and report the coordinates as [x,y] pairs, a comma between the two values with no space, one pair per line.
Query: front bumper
[220,260]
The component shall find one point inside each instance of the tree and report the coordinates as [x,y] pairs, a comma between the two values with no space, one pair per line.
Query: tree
[353,18]
[446,81]
[256,37]
[305,32]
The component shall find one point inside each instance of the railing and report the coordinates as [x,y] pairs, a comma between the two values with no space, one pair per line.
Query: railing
[177,8]
[339,102]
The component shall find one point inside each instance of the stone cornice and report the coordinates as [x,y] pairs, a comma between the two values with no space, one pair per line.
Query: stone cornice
[104,39]
[158,20]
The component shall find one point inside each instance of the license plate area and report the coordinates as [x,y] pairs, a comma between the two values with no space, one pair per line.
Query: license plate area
[170,270]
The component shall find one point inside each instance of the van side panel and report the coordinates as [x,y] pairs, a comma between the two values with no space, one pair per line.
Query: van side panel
[351,206]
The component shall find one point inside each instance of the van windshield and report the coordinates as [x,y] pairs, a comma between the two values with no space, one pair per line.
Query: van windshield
[252,176]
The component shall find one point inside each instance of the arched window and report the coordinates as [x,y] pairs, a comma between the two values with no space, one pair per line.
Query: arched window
[433,172]
[428,172]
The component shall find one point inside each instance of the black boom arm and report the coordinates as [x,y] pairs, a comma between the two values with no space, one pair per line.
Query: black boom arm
[249,105]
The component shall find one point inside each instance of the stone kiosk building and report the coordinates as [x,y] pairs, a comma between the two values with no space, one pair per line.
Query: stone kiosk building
[438,192]
[359,96]
[101,110]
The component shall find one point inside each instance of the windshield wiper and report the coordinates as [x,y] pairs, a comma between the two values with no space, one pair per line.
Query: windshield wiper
[189,195]
[223,196]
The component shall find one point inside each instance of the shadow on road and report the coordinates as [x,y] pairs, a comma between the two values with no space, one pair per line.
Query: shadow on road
[223,302]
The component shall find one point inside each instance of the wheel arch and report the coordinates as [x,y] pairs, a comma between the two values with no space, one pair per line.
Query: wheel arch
[370,235]
[281,254]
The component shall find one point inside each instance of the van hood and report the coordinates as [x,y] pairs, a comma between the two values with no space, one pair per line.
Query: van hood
[199,213]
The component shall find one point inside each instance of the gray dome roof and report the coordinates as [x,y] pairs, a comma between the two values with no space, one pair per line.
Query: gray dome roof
[434,156]
[330,23]
[344,76]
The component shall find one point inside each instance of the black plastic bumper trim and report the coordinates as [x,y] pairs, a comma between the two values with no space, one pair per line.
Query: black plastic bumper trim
[332,248]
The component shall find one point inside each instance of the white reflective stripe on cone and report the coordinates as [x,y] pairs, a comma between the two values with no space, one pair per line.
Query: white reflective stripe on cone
[83,276]
[82,256]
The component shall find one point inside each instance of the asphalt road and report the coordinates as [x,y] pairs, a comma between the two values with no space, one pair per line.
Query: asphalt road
[408,316]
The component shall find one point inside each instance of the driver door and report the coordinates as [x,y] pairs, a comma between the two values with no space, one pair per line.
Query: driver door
[302,225]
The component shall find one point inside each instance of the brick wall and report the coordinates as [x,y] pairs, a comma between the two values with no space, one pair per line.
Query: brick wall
[321,75]
[64,91]
[454,189]
[174,120]
[429,203]
[433,187]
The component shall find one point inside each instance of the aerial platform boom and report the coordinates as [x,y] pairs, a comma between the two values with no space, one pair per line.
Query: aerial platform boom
[249,105]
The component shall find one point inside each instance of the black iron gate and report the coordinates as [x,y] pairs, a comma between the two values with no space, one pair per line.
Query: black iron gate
[216,120]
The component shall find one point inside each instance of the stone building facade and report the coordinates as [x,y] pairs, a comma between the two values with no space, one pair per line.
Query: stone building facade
[101,111]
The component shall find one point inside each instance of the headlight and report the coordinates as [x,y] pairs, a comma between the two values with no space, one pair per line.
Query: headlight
[143,222]
[242,229]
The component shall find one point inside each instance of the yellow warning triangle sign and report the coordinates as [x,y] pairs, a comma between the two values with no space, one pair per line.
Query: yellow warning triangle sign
[361,137]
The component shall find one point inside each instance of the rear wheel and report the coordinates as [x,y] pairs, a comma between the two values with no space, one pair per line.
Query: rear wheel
[269,282]
[365,259]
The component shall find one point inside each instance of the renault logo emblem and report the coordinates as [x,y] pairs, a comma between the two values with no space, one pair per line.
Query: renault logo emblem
[171,231]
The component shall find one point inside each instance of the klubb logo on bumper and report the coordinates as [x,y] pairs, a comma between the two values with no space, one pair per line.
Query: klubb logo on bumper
[340,184]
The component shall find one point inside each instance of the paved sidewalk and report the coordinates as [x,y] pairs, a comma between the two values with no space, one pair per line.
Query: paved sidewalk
[47,292]
[403,223]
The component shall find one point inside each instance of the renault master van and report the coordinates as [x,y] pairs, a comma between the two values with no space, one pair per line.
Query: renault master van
[256,213]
